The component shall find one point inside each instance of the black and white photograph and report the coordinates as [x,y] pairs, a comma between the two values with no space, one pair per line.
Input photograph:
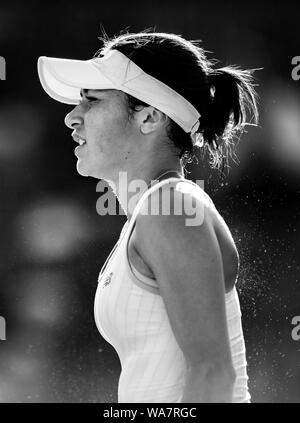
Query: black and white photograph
[150,213]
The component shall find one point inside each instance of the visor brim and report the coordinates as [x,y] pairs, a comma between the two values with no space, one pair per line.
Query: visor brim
[62,79]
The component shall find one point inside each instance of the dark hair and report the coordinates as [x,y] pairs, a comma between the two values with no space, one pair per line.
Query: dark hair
[222,96]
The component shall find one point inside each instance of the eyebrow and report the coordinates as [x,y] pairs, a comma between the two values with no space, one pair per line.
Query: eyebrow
[85,91]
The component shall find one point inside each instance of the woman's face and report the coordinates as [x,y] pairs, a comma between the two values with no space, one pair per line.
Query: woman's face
[102,120]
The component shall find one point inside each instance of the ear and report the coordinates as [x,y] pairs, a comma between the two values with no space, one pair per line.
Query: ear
[151,119]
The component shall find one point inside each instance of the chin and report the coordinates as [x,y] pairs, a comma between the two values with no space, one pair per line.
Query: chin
[81,170]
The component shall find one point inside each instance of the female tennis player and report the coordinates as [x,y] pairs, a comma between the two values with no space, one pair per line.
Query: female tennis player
[166,298]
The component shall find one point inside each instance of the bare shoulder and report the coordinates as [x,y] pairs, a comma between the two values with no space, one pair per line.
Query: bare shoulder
[179,200]
[175,222]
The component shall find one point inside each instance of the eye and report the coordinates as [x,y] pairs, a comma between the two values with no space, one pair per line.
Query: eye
[89,98]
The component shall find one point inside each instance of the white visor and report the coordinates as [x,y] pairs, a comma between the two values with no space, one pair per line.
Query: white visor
[63,79]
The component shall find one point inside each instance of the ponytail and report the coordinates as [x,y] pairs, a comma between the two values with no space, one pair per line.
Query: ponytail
[233,97]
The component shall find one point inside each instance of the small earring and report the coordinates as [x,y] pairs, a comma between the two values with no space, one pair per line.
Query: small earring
[200,140]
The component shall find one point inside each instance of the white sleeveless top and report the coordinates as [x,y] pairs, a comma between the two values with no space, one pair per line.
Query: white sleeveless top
[130,314]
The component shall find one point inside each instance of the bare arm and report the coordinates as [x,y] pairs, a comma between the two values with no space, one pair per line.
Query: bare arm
[187,264]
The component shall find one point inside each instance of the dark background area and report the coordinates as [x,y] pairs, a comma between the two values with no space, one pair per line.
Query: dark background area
[52,241]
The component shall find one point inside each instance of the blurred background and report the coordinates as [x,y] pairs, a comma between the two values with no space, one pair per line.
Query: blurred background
[53,243]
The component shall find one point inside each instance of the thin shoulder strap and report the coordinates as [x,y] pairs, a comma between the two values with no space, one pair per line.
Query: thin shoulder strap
[146,194]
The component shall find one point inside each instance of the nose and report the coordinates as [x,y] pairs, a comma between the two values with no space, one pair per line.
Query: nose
[73,118]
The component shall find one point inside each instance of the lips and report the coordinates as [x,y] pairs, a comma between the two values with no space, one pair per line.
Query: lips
[77,138]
